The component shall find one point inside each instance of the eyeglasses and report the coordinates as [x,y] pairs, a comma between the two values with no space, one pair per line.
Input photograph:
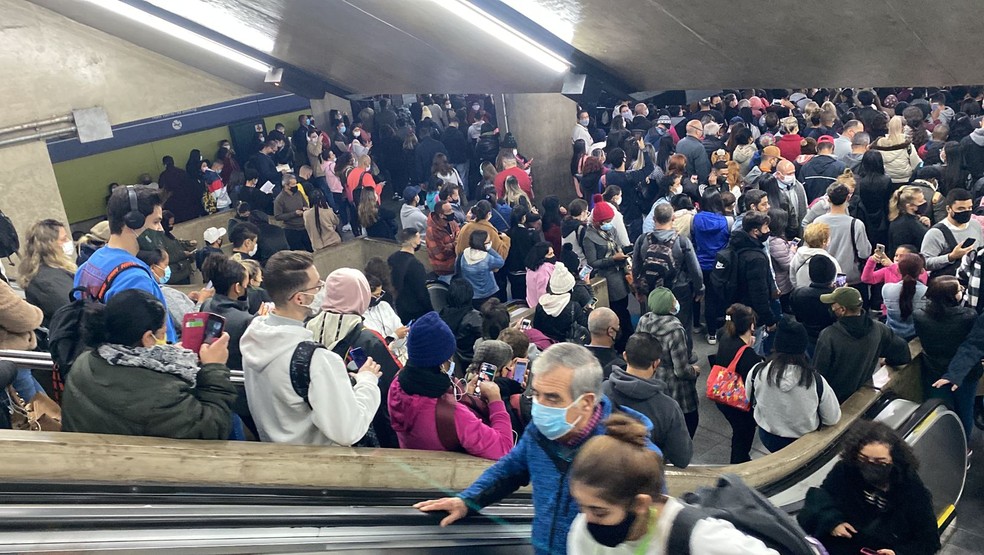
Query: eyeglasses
[879,462]
[321,283]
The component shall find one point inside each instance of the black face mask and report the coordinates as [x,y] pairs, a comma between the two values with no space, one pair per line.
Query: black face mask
[875,474]
[961,217]
[550,259]
[417,248]
[449,217]
[923,209]
[764,237]
[611,535]
[375,300]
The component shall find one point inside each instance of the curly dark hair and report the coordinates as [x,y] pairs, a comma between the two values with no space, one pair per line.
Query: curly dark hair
[866,432]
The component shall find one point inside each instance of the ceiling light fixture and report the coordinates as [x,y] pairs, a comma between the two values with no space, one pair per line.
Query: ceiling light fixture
[135,14]
[498,29]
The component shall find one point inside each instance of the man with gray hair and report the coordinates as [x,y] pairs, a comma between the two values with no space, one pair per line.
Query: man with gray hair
[604,328]
[859,145]
[664,258]
[568,408]
[843,144]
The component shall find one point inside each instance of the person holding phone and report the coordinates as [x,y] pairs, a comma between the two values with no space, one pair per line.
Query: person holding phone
[424,406]
[133,383]
[946,243]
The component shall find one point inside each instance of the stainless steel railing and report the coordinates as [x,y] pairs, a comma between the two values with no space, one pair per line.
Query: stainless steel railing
[38,360]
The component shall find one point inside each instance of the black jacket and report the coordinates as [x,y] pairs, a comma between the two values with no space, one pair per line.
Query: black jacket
[810,310]
[456,144]
[649,397]
[847,352]
[819,173]
[973,157]
[905,230]
[270,241]
[521,240]
[755,283]
[635,194]
[906,526]
[874,192]
[49,290]
[267,168]
[409,279]
[423,157]
[727,349]
[558,327]
[942,337]
[237,319]
[608,358]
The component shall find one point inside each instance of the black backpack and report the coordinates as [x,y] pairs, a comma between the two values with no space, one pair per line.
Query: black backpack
[65,329]
[724,276]
[658,265]
[300,379]
[9,240]
[748,510]
[951,243]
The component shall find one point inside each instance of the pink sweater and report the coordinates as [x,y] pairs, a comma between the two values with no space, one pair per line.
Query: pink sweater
[536,283]
[413,420]
[885,274]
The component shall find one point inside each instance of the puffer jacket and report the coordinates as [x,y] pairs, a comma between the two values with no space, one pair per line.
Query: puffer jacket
[598,255]
[18,320]
[900,160]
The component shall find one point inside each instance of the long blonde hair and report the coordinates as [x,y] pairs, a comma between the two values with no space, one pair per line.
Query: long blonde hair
[513,194]
[902,197]
[847,179]
[43,249]
[896,131]
[368,209]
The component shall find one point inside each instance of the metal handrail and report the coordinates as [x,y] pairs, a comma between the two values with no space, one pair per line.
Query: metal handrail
[40,360]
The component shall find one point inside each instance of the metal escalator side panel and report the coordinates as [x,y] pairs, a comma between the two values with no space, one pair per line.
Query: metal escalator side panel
[940,445]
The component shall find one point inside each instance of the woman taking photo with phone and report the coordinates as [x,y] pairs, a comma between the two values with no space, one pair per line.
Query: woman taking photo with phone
[133,383]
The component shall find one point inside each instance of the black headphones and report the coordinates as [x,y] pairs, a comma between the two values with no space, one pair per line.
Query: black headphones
[134,219]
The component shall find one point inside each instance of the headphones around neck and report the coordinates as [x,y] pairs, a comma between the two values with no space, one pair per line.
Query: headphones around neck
[134,219]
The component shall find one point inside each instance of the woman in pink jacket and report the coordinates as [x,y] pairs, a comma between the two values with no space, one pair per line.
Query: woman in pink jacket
[889,272]
[422,394]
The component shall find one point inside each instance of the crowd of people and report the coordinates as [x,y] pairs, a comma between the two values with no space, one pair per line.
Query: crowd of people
[808,235]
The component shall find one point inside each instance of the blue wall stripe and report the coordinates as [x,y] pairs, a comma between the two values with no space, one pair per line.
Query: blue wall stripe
[179,123]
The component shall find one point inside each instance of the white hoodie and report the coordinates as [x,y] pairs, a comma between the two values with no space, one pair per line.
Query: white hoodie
[340,414]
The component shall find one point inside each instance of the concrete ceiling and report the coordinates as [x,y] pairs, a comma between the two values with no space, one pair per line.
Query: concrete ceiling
[406,46]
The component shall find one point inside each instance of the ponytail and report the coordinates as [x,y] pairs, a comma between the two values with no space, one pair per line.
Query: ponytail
[738,319]
[893,204]
[902,197]
[910,266]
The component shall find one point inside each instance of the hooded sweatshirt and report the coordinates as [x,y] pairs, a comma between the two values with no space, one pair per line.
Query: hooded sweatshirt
[711,233]
[848,352]
[649,397]
[799,266]
[972,148]
[339,413]
[790,410]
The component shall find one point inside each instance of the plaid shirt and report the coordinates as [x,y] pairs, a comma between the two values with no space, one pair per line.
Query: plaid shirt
[675,369]
[969,275]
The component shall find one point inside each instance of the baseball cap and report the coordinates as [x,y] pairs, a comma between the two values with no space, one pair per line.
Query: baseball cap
[825,139]
[410,192]
[213,234]
[848,297]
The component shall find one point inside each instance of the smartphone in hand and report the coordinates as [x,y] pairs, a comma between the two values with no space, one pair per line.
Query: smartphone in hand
[968,242]
[358,356]
[201,327]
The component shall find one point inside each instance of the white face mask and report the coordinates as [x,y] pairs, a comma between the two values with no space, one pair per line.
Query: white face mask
[68,248]
[252,252]
[315,307]
[356,133]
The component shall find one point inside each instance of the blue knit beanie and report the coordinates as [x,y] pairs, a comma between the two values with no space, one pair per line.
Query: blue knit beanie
[430,342]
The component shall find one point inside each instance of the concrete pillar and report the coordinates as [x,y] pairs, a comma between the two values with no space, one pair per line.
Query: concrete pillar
[320,109]
[28,190]
[542,125]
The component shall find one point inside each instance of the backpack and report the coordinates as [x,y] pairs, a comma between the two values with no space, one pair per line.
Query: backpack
[65,329]
[724,276]
[951,243]
[9,240]
[658,266]
[208,202]
[300,380]
[858,261]
[747,509]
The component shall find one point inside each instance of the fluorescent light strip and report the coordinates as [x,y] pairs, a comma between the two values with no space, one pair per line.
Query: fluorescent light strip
[469,12]
[179,32]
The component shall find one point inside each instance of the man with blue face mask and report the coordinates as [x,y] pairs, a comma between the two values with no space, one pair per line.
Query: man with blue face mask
[581,128]
[568,409]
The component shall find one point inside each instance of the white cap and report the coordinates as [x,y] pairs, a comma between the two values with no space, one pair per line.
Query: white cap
[213,234]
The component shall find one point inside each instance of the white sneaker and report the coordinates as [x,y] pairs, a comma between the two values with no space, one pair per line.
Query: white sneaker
[712,340]
[347,228]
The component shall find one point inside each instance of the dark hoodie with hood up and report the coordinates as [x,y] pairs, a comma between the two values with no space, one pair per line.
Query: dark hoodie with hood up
[848,352]
[972,149]
[649,397]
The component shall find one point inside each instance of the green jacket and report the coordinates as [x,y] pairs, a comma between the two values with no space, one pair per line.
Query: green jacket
[103,399]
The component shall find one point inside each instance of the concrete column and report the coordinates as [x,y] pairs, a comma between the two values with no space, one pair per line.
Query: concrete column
[542,125]
[28,190]
[320,109]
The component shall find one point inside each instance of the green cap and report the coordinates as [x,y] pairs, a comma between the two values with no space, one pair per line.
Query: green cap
[661,301]
[848,297]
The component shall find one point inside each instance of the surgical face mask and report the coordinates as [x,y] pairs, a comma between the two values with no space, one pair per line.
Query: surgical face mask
[961,217]
[160,341]
[252,251]
[167,275]
[515,152]
[584,122]
[475,107]
[676,189]
[342,129]
[68,248]
[356,133]
[607,226]
[785,179]
[617,201]
[488,246]
[676,308]
[552,421]
[314,308]
[611,535]
[627,116]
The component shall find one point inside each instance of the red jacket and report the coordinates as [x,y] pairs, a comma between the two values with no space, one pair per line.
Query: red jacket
[441,238]
[789,146]
[521,176]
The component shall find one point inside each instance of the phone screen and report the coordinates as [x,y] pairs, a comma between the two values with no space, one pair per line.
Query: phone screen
[840,280]
[358,356]
[968,242]
[526,324]
[519,371]
[487,372]
[796,241]
[213,329]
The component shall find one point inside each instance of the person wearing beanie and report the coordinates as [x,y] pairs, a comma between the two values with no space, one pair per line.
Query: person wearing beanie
[805,301]
[339,326]
[335,411]
[675,369]
[422,401]
[606,260]
[557,311]
[634,205]
[789,397]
